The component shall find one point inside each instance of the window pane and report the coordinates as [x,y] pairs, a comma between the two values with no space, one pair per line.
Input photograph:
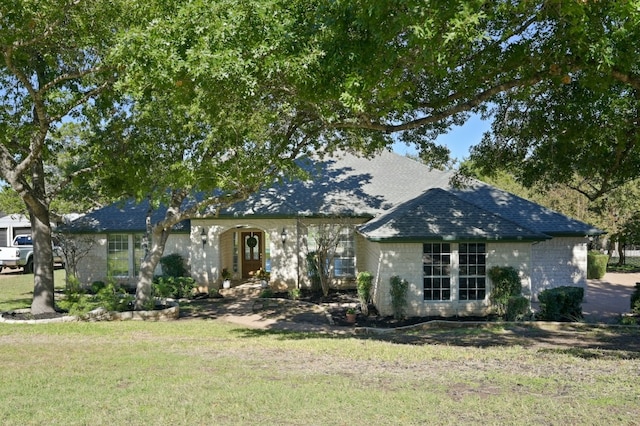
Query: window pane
[344,262]
[472,282]
[118,255]
[138,253]
[436,267]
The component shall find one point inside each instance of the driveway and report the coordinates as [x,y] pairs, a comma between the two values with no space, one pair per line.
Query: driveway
[607,298]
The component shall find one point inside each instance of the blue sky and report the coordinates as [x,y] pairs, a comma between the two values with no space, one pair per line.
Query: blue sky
[458,140]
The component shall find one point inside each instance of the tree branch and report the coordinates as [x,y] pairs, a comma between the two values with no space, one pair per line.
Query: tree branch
[434,118]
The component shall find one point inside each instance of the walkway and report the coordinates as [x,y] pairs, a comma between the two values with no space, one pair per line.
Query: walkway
[605,300]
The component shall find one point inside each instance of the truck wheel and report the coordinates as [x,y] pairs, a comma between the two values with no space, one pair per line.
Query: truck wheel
[28,268]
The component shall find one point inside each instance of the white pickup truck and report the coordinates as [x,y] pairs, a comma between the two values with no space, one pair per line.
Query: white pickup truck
[20,255]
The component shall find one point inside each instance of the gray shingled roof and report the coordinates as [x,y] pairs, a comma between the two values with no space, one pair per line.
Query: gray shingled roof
[440,215]
[393,190]
[526,213]
[347,185]
[128,216]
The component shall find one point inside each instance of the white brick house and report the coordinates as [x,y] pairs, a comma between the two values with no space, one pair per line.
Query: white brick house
[402,217]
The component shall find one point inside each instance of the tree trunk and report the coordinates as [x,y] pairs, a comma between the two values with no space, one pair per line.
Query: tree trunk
[43,282]
[148,266]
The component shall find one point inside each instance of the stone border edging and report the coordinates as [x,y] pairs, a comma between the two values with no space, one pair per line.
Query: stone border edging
[101,314]
[482,324]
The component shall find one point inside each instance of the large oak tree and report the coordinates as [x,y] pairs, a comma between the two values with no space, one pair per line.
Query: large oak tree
[51,69]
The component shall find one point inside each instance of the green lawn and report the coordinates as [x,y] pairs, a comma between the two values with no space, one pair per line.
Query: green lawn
[632,264]
[210,372]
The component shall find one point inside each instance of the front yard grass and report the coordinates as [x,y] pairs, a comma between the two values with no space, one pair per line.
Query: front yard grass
[210,372]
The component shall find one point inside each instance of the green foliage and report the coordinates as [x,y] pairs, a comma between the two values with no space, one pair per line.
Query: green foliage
[561,304]
[110,296]
[398,289]
[173,287]
[294,293]
[114,298]
[505,286]
[226,275]
[573,125]
[174,265]
[596,264]
[267,293]
[312,272]
[96,286]
[635,300]
[364,281]
[517,308]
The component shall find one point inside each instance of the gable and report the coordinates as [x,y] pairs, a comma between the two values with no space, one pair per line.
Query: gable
[345,185]
[440,215]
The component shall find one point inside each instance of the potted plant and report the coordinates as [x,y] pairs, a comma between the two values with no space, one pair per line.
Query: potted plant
[226,278]
[263,276]
[351,315]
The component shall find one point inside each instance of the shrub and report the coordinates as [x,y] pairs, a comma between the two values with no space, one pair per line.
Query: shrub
[398,291]
[635,300]
[517,308]
[174,265]
[173,287]
[294,293]
[505,286]
[561,303]
[96,286]
[596,265]
[114,298]
[364,282]
[267,293]
[313,273]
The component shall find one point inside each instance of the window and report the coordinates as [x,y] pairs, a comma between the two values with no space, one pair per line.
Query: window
[118,255]
[334,241]
[138,252]
[472,280]
[124,254]
[344,264]
[436,262]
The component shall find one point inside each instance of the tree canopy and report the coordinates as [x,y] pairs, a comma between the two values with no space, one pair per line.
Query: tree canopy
[51,69]
[180,98]
[579,126]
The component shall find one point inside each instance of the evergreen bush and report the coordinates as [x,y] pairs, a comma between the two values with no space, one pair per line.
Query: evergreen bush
[364,281]
[561,303]
[596,265]
[635,300]
[174,265]
[505,285]
[398,290]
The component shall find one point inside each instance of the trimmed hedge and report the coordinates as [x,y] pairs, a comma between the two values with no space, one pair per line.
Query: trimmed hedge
[635,300]
[596,265]
[174,265]
[561,304]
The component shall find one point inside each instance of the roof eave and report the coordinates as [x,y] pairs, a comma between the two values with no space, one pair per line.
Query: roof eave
[455,238]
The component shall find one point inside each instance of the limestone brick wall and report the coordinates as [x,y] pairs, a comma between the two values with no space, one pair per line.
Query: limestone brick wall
[93,267]
[558,262]
[208,262]
[405,261]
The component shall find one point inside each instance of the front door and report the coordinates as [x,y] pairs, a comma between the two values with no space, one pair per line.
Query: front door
[251,253]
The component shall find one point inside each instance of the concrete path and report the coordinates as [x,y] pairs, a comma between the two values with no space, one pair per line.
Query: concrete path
[607,298]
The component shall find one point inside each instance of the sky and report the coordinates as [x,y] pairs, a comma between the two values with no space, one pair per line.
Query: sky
[458,140]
